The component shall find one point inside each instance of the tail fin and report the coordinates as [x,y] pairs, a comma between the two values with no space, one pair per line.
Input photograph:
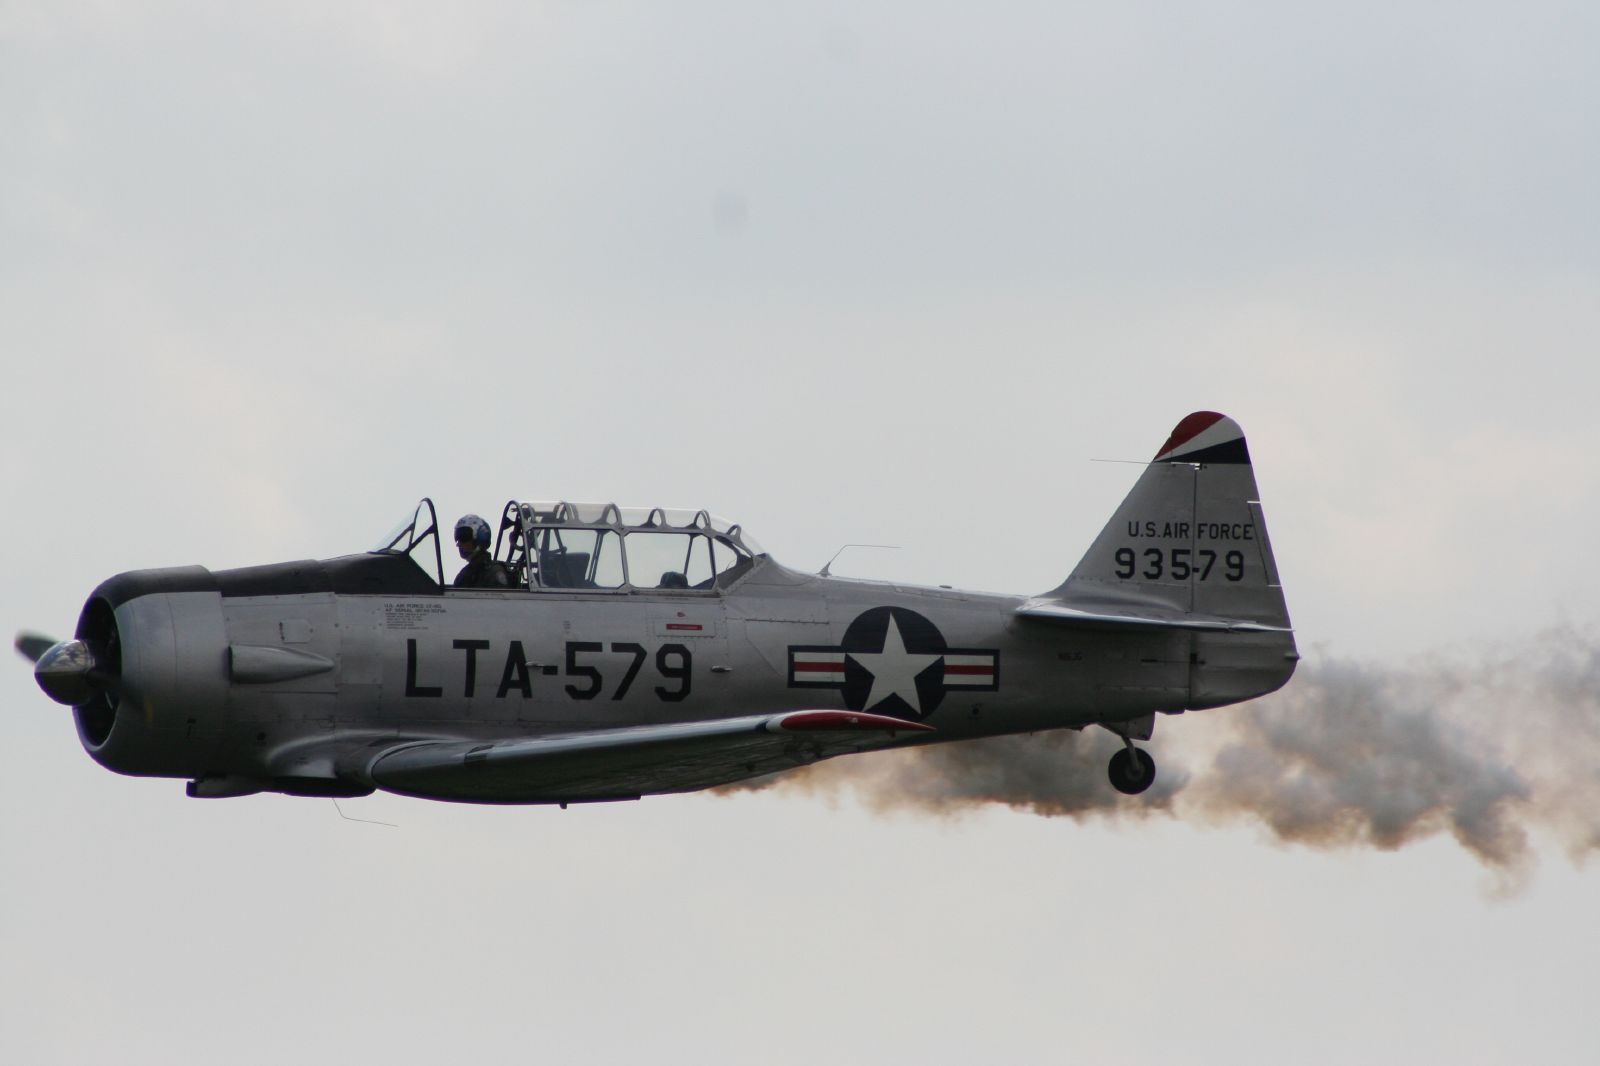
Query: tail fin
[1185,570]
[1189,543]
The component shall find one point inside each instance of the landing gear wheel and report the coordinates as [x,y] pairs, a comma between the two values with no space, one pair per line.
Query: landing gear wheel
[1132,770]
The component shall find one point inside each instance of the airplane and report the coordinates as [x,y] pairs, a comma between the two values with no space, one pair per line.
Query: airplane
[643,651]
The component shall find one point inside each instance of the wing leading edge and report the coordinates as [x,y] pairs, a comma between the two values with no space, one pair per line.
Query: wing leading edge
[628,762]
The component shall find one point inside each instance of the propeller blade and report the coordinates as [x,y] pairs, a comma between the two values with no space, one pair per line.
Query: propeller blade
[32,645]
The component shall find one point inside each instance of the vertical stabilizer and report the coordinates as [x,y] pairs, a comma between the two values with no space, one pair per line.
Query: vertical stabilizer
[1189,540]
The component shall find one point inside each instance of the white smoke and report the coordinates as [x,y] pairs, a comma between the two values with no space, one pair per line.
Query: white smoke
[1489,746]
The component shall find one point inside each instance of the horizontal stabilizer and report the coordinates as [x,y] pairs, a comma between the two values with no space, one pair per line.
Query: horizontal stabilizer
[1049,611]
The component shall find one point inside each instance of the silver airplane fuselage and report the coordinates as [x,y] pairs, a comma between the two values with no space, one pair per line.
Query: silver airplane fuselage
[340,676]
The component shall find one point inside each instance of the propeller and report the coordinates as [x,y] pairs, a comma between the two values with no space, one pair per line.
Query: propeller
[32,646]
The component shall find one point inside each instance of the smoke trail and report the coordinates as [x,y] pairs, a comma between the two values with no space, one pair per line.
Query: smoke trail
[1354,756]
[1483,745]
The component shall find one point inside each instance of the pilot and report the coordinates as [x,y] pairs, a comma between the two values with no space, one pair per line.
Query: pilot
[482,571]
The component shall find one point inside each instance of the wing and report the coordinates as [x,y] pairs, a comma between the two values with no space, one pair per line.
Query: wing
[629,762]
[1053,611]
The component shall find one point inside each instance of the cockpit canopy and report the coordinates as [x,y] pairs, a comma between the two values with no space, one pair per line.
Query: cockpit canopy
[599,547]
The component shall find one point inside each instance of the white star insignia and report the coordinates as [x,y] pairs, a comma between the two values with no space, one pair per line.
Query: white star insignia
[894,670]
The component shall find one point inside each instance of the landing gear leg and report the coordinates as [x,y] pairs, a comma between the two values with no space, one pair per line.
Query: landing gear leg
[1132,770]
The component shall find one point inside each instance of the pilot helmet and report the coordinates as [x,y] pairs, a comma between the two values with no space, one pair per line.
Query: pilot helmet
[477,527]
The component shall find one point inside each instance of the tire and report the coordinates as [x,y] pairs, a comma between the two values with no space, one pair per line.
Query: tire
[1132,770]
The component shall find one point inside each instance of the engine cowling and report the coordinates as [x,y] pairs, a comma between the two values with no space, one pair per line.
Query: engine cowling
[155,696]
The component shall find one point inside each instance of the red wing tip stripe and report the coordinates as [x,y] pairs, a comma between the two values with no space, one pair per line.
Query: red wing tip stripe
[1188,429]
[804,721]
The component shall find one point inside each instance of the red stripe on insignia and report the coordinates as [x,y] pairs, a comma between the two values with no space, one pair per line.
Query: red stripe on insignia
[951,668]
[1190,428]
[818,668]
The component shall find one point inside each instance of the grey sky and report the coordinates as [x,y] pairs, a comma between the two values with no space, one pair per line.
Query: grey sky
[892,274]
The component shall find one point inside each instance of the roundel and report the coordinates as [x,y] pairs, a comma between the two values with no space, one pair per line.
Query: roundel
[893,663]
